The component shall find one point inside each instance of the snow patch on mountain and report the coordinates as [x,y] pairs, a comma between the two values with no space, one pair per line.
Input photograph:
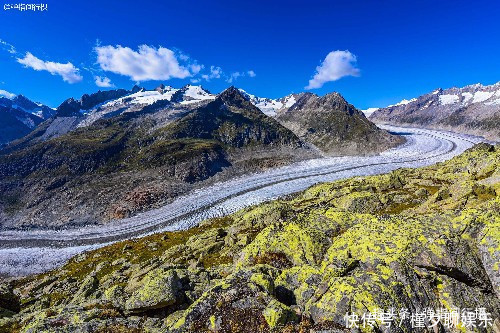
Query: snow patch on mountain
[135,102]
[467,96]
[270,106]
[481,96]
[267,105]
[369,111]
[194,94]
[404,102]
[448,99]
[27,121]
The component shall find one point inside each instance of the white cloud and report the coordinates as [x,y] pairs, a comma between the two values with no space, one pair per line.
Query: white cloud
[102,81]
[215,73]
[195,80]
[7,94]
[68,72]
[9,47]
[183,56]
[148,63]
[234,76]
[195,68]
[336,65]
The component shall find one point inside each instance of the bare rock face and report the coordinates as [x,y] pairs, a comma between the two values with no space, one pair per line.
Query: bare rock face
[335,126]
[473,109]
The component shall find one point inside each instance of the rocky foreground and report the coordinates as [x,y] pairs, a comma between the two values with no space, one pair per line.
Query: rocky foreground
[411,239]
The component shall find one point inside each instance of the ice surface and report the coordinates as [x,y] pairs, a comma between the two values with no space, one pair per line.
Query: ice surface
[368,112]
[481,96]
[448,99]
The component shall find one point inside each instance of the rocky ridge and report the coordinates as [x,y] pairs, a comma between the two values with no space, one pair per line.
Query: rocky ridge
[474,109]
[334,126]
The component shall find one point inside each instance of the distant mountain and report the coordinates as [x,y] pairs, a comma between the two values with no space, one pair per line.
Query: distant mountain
[69,115]
[133,161]
[19,116]
[335,126]
[272,107]
[474,109]
[78,113]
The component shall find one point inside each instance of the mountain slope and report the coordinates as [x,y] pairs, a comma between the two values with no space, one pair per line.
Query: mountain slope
[136,160]
[19,116]
[413,239]
[335,126]
[473,109]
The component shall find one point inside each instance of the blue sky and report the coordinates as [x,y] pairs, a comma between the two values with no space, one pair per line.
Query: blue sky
[387,50]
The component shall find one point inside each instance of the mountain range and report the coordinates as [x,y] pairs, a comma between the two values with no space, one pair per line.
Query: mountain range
[473,109]
[114,153]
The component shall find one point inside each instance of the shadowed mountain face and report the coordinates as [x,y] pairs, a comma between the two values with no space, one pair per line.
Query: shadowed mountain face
[335,126]
[15,124]
[473,109]
[19,116]
[136,160]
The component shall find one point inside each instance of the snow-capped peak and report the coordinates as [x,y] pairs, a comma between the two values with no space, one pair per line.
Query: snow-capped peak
[193,94]
[404,102]
[140,97]
[270,106]
[21,103]
[368,112]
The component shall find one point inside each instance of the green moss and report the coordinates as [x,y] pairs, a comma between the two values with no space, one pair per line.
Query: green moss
[277,314]
[264,281]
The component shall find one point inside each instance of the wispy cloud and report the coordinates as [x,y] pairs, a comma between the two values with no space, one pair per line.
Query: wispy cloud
[4,93]
[196,68]
[67,71]
[235,75]
[147,63]
[9,47]
[103,82]
[215,73]
[336,65]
